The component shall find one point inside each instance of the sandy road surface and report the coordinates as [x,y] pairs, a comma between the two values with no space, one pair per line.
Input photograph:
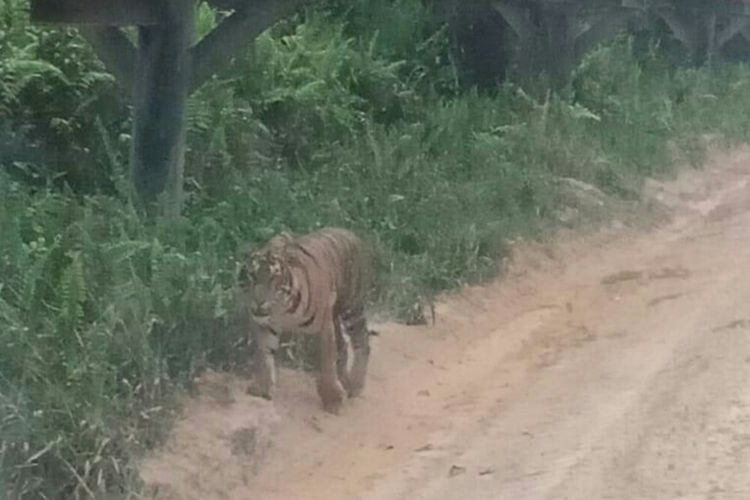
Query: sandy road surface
[617,366]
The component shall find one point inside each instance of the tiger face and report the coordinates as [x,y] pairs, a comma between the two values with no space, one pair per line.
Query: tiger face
[264,277]
[261,278]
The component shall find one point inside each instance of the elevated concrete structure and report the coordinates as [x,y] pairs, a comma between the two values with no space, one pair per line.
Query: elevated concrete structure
[161,69]
[553,35]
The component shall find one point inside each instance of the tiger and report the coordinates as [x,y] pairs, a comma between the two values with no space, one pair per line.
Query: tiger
[316,284]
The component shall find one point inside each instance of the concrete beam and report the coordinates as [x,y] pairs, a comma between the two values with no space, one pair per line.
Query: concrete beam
[561,32]
[733,28]
[249,19]
[162,74]
[115,50]
[102,12]
[704,29]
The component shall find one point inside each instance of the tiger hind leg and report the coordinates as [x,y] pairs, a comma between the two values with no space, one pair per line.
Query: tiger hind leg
[266,344]
[330,389]
[355,325]
[342,348]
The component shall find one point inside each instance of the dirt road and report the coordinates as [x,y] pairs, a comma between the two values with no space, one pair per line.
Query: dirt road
[614,366]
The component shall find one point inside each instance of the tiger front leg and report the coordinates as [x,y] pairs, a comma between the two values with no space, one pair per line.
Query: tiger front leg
[360,338]
[330,390]
[266,344]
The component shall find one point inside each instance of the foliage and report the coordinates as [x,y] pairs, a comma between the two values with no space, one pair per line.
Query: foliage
[53,93]
[100,311]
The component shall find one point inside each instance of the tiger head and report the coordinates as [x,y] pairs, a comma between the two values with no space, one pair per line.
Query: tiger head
[264,275]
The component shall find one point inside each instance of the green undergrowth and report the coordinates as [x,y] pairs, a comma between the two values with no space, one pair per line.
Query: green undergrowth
[105,315]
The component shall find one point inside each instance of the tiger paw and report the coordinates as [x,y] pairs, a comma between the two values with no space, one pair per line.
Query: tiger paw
[355,390]
[346,383]
[258,391]
[332,396]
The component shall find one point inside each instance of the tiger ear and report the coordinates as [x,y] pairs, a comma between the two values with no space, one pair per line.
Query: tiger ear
[281,240]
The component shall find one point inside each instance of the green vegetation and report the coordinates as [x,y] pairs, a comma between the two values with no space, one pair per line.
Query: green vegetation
[355,119]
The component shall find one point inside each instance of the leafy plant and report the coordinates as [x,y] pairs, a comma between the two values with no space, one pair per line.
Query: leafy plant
[53,90]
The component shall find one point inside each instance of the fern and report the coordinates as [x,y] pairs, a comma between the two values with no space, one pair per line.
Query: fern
[72,296]
[29,282]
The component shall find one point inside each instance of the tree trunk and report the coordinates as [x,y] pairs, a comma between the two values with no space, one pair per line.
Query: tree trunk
[526,60]
[560,48]
[161,82]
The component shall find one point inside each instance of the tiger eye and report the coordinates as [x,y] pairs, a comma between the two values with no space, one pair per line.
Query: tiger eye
[275,267]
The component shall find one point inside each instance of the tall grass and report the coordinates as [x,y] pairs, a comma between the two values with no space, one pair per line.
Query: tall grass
[105,315]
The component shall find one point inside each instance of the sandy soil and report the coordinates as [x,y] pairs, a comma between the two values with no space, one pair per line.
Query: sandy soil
[613,366]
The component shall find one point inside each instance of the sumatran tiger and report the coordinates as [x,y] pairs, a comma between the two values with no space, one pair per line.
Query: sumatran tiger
[311,284]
